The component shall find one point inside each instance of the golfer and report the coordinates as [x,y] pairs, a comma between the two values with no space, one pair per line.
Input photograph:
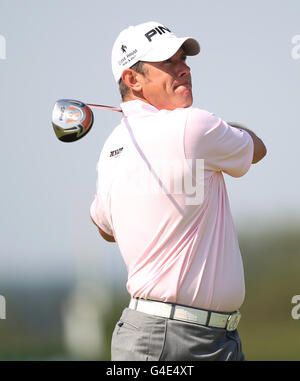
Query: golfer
[162,198]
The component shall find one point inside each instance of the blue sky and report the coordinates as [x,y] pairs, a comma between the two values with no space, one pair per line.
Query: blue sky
[61,49]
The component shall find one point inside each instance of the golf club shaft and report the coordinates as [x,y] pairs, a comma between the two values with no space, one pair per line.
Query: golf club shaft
[105,107]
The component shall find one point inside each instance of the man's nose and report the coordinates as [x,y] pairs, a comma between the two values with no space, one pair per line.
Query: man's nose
[183,69]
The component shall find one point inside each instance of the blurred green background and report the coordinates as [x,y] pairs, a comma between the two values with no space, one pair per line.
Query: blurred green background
[67,321]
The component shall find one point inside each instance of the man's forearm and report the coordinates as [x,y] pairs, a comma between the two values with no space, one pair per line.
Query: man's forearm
[260,150]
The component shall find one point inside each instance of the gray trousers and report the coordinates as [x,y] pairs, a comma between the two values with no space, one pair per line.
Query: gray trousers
[142,337]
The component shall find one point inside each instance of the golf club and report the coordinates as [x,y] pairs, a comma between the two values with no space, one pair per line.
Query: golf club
[72,119]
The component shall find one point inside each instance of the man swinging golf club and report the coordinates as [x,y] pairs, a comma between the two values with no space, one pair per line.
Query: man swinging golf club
[185,271]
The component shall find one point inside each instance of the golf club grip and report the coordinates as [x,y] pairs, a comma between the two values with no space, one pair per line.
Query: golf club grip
[105,107]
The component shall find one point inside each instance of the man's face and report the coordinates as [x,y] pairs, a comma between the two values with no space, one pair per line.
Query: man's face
[168,84]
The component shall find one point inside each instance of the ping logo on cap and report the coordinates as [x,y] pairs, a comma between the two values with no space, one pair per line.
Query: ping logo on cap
[157,30]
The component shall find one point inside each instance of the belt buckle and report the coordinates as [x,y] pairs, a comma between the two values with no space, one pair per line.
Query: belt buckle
[233,321]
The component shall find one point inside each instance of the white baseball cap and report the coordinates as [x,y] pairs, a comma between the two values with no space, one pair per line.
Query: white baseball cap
[150,42]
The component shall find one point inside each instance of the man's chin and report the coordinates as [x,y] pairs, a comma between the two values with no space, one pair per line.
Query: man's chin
[187,102]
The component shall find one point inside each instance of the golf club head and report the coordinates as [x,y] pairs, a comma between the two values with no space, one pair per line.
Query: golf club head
[71,120]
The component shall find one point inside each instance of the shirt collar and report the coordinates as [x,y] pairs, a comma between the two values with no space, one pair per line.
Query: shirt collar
[137,107]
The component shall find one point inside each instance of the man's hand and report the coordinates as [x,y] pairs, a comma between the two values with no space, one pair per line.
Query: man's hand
[260,149]
[104,235]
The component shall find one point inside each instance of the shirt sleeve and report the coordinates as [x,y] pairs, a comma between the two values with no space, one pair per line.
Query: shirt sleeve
[223,148]
[98,215]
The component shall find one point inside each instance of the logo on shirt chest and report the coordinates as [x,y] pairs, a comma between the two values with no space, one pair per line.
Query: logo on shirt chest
[116,152]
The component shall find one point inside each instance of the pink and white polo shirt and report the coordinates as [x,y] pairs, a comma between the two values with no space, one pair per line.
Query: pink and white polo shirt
[162,195]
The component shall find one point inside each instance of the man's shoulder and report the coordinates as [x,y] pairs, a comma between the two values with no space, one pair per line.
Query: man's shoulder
[193,114]
[200,113]
[201,120]
[112,139]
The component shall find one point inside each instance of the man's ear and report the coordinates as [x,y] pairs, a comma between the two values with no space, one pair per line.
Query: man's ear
[132,79]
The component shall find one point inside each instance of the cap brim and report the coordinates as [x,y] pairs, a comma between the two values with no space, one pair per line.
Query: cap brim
[170,46]
[191,47]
